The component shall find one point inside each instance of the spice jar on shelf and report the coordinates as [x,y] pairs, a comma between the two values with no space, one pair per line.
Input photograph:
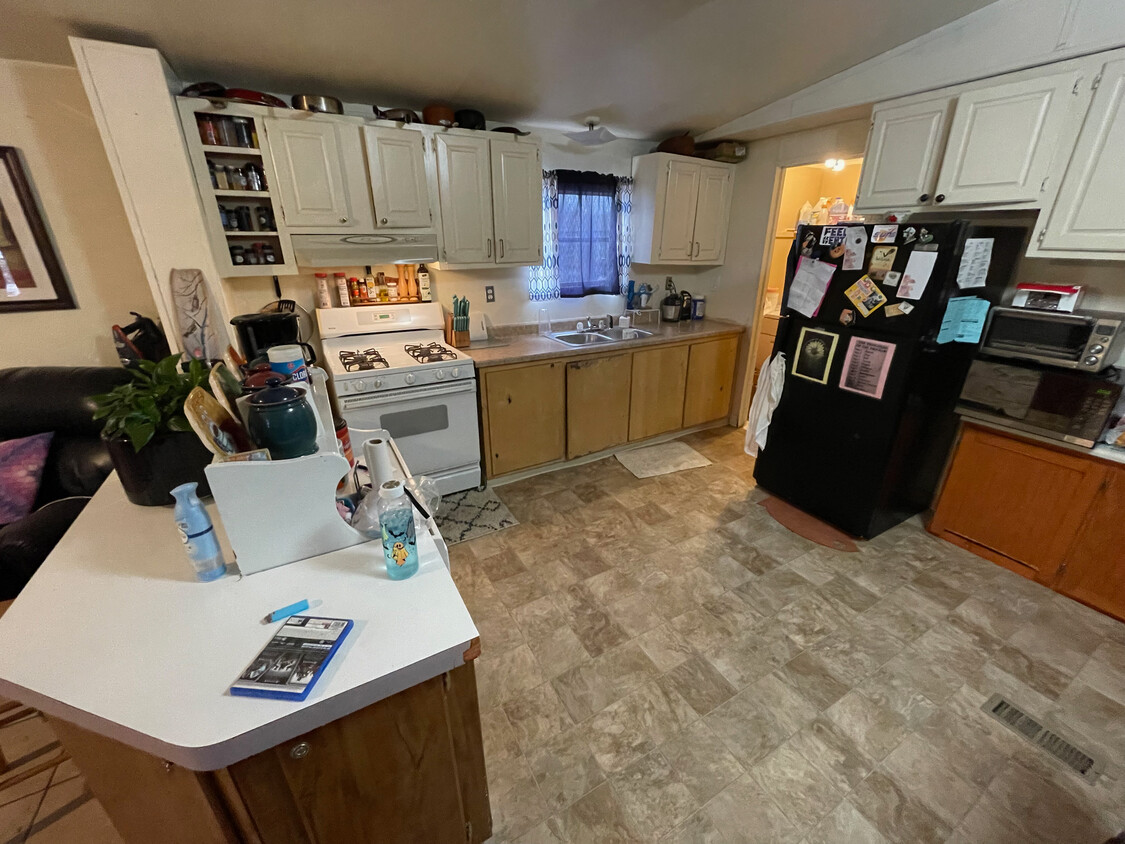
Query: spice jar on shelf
[208,131]
[222,177]
[242,132]
[255,178]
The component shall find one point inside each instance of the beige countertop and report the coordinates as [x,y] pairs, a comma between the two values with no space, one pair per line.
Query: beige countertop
[526,347]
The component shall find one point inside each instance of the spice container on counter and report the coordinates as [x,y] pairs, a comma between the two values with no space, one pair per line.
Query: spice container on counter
[342,290]
[323,294]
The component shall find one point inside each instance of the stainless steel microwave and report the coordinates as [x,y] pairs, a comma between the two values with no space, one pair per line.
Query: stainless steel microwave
[1088,341]
[1069,406]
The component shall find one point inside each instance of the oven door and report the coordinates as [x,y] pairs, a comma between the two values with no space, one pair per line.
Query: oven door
[435,427]
[1056,339]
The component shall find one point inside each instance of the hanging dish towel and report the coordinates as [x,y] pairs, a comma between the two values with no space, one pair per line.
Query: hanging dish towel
[771,381]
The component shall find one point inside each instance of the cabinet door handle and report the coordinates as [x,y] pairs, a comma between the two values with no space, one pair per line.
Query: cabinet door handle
[343,219]
[383,220]
[489,253]
[696,249]
[924,198]
[501,242]
[939,198]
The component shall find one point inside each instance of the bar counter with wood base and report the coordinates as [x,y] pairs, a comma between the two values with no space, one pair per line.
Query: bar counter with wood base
[130,659]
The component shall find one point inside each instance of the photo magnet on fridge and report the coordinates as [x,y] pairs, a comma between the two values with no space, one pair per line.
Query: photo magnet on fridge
[815,350]
[847,317]
[884,234]
[866,296]
[892,278]
[882,259]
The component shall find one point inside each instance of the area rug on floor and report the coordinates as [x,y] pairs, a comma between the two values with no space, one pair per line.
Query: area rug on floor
[472,514]
[661,459]
[810,527]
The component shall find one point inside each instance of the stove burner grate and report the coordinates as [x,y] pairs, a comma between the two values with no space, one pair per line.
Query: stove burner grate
[362,361]
[430,352]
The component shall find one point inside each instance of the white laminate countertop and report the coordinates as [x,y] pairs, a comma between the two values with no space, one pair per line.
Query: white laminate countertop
[114,634]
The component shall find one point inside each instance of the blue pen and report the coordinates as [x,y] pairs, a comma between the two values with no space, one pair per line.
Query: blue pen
[285,612]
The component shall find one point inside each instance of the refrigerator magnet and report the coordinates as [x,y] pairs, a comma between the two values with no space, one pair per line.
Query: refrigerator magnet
[892,278]
[847,317]
[882,259]
[815,350]
[807,244]
[909,235]
[925,236]
[866,296]
[832,235]
[836,251]
[894,310]
[854,248]
[884,234]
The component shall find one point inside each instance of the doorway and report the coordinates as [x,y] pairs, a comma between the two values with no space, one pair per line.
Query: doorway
[814,184]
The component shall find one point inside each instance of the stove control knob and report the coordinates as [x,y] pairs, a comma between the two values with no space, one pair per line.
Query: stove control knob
[409,379]
[455,372]
[359,385]
[439,374]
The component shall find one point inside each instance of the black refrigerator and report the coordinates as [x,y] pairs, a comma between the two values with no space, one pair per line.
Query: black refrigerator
[864,450]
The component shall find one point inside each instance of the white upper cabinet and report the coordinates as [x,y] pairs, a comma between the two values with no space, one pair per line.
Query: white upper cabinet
[310,173]
[681,208]
[517,201]
[903,152]
[711,214]
[677,233]
[1002,140]
[396,160]
[1088,214]
[465,188]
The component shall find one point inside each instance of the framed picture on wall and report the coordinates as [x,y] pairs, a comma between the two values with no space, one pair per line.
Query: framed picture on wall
[31,277]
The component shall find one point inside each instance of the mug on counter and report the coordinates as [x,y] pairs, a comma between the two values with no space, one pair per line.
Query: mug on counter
[290,360]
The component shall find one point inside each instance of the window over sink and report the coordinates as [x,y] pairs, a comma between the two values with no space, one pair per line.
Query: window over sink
[586,235]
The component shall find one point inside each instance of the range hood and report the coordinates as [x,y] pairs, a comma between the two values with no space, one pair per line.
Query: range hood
[356,250]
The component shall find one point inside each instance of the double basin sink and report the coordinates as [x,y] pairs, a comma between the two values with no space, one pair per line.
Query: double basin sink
[601,335]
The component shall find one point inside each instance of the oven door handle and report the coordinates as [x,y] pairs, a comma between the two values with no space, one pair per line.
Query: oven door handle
[409,394]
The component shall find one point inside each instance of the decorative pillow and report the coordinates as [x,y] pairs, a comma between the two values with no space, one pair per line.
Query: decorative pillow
[21,468]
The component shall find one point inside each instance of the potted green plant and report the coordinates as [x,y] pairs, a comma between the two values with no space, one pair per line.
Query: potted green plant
[152,446]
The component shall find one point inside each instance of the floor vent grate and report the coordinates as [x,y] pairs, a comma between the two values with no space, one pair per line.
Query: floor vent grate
[1011,716]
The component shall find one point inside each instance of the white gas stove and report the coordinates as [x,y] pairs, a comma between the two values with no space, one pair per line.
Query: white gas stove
[392,371]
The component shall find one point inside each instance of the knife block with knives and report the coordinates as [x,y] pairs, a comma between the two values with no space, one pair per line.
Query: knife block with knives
[457,324]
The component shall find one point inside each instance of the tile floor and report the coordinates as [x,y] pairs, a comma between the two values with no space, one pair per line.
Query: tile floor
[663,662]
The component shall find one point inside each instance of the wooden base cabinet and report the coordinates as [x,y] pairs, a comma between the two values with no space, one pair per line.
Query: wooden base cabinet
[657,391]
[1046,512]
[406,770]
[710,375]
[525,415]
[597,404]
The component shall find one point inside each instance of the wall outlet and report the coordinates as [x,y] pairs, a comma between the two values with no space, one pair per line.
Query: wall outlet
[489,293]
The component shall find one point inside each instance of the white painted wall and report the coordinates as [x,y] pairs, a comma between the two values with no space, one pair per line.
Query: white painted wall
[47,117]
[1005,36]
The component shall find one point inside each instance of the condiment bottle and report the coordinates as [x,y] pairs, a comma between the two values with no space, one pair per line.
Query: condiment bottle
[342,290]
[198,533]
[323,294]
[396,520]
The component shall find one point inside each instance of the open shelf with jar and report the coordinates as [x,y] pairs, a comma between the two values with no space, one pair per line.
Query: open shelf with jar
[233,171]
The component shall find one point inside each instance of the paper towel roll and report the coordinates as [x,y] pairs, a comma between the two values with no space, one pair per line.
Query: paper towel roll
[380,462]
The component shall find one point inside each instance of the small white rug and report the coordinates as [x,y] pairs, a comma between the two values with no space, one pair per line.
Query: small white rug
[661,459]
[471,514]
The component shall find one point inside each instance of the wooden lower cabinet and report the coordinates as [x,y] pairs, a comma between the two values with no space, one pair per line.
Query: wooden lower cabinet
[406,770]
[525,415]
[657,391]
[1048,513]
[710,376]
[597,403]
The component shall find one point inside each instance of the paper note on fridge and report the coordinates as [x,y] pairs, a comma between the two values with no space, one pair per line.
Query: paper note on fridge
[917,274]
[975,259]
[809,285]
[964,320]
[866,365]
[854,248]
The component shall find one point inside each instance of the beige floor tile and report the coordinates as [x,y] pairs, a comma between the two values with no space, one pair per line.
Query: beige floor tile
[744,814]
[653,797]
[501,565]
[854,652]
[697,681]
[1105,671]
[896,813]
[518,809]
[589,621]
[751,655]
[597,818]
[558,651]
[665,646]
[845,825]
[502,676]
[547,832]
[796,786]
[915,766]
[875,729]
[904,613]
[701,761]
[498,634]
[833,753]
[539,617]
[812,677]
[698,829]
[590,687]
[635,614]
[636,725]
[537,716]
[564,768]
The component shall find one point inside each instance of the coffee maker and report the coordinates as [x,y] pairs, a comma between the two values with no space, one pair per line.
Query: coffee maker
[259,332]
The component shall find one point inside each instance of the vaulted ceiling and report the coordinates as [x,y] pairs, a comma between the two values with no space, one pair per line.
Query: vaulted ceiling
[647,68]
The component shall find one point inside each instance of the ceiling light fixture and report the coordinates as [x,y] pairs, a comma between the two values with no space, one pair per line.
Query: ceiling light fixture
[594,134]
[836,164]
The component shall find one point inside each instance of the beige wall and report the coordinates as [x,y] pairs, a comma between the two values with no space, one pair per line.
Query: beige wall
[45,114]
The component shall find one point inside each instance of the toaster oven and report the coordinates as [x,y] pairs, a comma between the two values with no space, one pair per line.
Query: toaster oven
[1088,342]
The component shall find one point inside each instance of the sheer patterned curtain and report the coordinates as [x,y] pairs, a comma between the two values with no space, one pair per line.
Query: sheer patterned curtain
[623,201]
[543,280]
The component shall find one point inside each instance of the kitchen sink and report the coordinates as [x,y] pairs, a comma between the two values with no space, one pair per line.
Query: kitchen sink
[624,333]
[581,338]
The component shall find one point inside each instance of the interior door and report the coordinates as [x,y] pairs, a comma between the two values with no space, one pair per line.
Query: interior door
[310,173]
[1087,214]
[677,231]
[902,155]
[1002,139]
[396,160]
[465,189]
[712,210]
[517,202]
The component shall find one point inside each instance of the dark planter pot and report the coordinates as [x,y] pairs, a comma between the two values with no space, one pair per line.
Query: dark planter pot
[166,461]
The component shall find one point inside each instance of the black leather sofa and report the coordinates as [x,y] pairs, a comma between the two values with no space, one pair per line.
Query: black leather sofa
[34,400]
